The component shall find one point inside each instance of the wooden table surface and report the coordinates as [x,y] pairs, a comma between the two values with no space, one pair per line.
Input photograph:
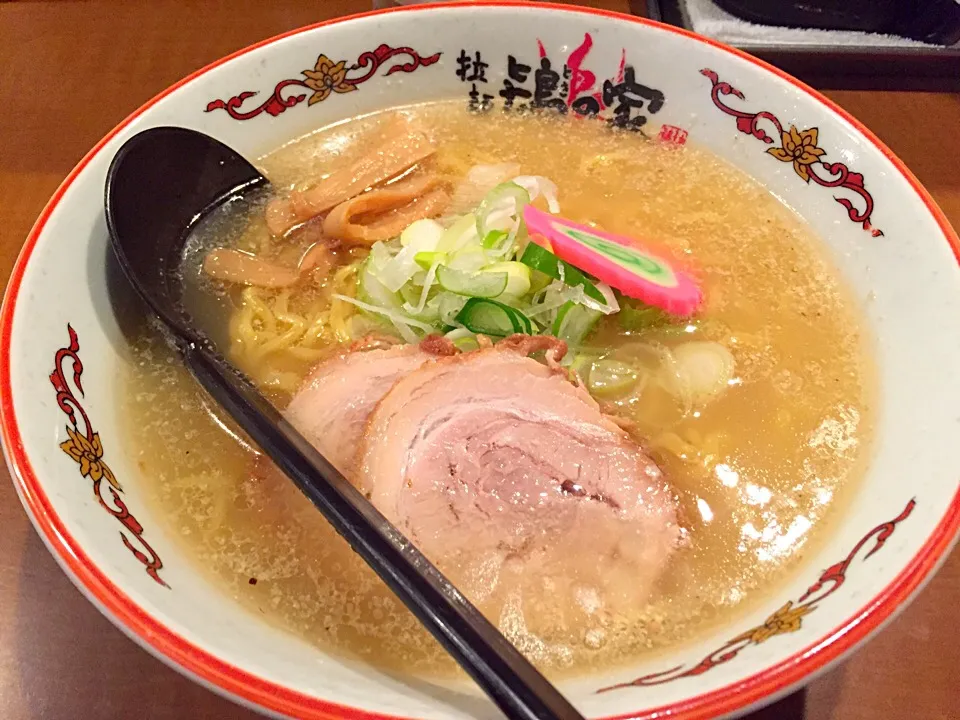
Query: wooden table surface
[69,72]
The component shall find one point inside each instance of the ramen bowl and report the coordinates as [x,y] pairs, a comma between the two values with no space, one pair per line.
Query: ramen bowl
[62,344]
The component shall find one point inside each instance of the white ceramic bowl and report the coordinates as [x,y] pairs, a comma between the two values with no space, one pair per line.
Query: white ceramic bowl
[890,241]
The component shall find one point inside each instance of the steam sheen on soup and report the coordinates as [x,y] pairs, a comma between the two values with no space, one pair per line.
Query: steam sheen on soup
[757,410]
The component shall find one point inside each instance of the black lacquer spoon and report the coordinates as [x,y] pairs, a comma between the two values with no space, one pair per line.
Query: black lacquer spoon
[159,183]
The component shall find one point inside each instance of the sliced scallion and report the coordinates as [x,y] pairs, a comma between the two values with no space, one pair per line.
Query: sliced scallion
[518,277]
[501,208]
[609,377]
[489,317]
[459,234]
[635,315]
[574,322]
[493,238]
[372,291]
[463,339]
[542,260]
[480,285]
[427,258]
[422,234]
[449,305]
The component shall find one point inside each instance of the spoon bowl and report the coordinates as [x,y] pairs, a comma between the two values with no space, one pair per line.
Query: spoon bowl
[149,216]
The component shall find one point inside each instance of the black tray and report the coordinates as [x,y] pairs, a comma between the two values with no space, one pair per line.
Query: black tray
[842,67]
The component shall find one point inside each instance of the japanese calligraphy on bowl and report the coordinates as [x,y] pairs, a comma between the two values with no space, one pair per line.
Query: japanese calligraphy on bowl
[564,85]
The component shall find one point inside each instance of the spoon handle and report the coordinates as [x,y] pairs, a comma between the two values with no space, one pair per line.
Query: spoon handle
[517,688]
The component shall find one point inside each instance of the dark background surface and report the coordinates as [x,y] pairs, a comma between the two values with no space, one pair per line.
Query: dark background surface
[69,72]
[848,67]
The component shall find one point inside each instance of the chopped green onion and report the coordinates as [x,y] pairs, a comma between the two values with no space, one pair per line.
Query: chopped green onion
[609,377]
[538,280]
[408,335]
[428,258]
[518,277]
[398,270]
[372,291]
[422,234]
[429,314]
[463,339]
[610,304]
[467,278]
[394,316]
[504,202]
[379,255]
[581,362]
[574,322]
[468,259]
[704,368]
[466,344]
[492,239]
[411,296]
[635,315]
[490,317]
[449,305]
[459,234]
[482,284]
[537,185]
[551,300]
[542,260]
[419,307]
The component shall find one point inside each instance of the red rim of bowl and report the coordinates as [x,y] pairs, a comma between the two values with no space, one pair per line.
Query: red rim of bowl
[254,690]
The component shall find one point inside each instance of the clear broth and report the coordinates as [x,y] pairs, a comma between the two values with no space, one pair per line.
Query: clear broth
[762,473]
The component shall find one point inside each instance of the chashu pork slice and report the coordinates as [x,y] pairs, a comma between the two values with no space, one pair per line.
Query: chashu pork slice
[331,408]
[512,481]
